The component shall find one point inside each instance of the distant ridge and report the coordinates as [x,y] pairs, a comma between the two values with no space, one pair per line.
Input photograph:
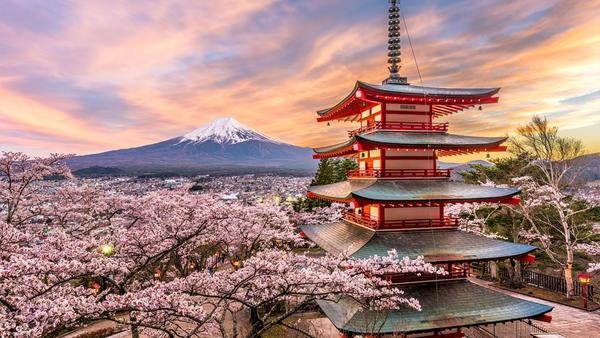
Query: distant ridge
[224,144]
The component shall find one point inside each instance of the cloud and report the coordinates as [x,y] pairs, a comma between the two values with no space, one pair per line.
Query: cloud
[91,76]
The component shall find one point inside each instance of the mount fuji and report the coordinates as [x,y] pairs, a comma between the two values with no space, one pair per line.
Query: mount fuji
[222,146]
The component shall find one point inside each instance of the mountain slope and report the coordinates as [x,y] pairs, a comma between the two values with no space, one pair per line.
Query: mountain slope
[224,143]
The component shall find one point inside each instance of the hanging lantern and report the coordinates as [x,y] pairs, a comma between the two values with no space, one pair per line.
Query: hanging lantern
[95,288]
[107,249]
[157,273]
[584,278]
[236,263]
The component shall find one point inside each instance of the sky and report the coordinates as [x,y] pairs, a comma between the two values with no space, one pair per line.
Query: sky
[89,76]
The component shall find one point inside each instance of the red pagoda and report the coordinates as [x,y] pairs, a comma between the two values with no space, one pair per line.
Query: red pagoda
[397,198]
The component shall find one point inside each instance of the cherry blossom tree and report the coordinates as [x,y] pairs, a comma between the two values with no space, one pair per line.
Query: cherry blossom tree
[20,188]
[556,221]
[168,262]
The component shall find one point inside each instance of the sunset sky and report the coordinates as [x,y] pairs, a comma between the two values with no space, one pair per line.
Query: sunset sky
[89,76]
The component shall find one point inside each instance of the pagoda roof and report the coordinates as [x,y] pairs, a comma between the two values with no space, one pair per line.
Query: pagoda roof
[410,191]
[400,139]
[429,91]
[444,305]
[438,246]
[370,94]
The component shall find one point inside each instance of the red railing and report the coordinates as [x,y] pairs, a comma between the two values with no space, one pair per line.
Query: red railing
[420,223]
[350,216]
[359,219]
[454,272]
[406,126]
[388,173]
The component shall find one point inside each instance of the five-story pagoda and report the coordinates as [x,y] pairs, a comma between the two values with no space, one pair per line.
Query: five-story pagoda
[397,197]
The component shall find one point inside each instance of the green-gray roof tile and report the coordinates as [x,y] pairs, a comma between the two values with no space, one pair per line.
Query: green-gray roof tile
[411,191]
[417,90]
[451,245]
[444,306]
[416,139]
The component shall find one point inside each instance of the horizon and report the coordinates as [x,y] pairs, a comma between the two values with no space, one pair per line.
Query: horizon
[144,73]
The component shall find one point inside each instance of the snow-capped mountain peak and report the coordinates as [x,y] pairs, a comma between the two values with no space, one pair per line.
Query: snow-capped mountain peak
[224,130]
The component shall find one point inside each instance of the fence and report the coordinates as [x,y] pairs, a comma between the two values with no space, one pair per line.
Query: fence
[516,329]
[556,284]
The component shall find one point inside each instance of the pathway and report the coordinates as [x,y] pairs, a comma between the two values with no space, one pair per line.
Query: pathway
[567,321]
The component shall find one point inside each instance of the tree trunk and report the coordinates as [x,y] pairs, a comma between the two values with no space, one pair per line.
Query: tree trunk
[515,280]
[568,271]
[493,270]
[135,330]
[257,323]
[518,277]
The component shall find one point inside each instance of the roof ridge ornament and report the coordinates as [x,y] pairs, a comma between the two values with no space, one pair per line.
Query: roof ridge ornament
[394,53]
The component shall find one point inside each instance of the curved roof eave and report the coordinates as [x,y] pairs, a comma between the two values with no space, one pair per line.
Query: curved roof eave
[430,91]
[446,305]
[407,191]
[323,112]
[335,147]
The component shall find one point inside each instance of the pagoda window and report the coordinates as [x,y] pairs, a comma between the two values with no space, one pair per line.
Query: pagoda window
[374,153]
[365,114]
[376,164]
[362,165]
[374,212]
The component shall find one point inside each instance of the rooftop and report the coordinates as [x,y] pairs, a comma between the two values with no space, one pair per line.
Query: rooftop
[458,98]
[403,139]
[438,246]
[410,191]
[444,305]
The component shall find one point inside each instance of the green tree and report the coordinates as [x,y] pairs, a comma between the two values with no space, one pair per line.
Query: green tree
[329,171]
[333,170]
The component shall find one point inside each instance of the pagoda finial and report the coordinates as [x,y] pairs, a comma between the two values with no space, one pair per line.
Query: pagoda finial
[394,59]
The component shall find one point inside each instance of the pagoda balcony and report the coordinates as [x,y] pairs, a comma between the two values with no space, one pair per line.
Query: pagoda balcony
[399,173]
[403,224]
[401,126]
[452,272]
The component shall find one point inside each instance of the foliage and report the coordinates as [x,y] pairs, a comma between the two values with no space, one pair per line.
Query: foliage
[329,171]
[502,172]
[333,170]
[553,214]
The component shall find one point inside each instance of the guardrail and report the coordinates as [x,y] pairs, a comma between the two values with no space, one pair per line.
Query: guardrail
[396,173]
[401,126]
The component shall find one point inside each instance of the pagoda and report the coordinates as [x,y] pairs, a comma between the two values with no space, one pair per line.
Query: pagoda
[396,202]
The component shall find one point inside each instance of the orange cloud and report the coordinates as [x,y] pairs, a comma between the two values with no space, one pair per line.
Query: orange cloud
[167,67]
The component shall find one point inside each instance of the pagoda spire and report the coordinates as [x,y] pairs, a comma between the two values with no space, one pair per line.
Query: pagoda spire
[394,53]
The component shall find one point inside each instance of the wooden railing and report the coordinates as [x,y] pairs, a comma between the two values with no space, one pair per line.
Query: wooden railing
[389,173]
[359,219]
[455,272]
[404,126]
[421,223]
[350,216]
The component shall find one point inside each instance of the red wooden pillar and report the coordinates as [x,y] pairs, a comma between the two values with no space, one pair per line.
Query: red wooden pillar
[383,114]
[381,215]
[382,161]
[430,111]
